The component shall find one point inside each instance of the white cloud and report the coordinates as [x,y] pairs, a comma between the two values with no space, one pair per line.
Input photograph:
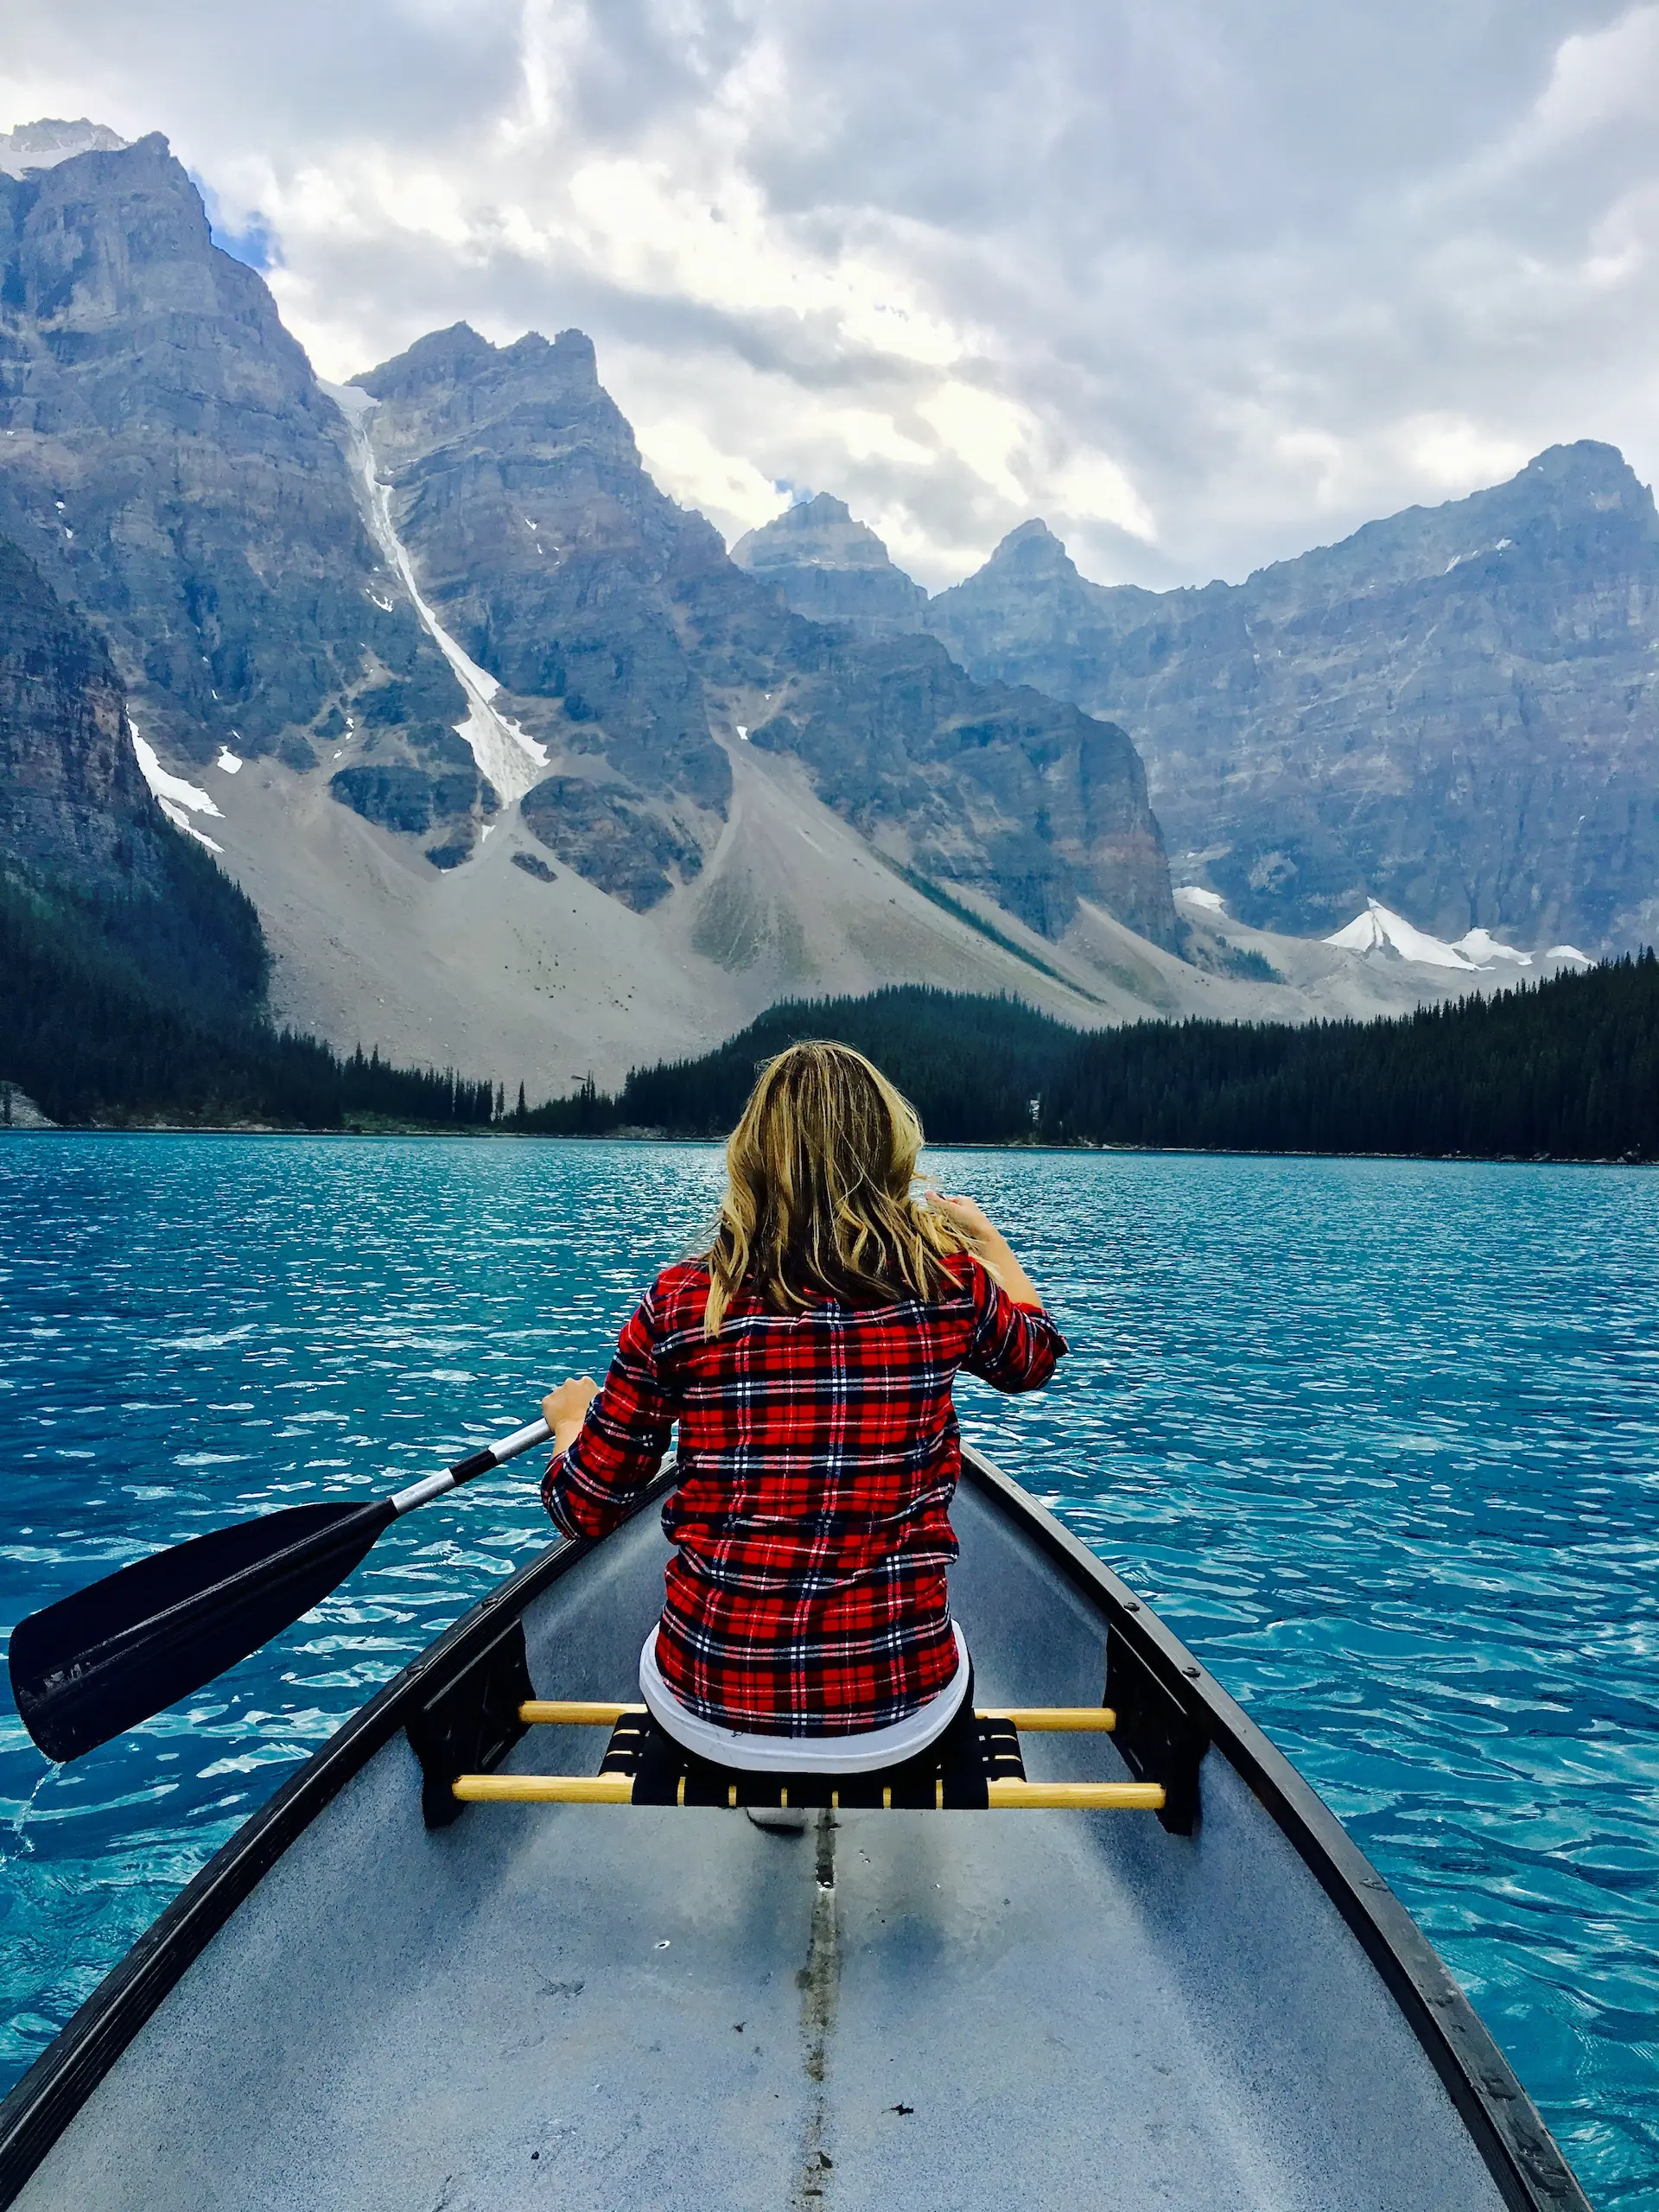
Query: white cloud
[726,488]
[1200,284]
[1455,455]
[1598,78]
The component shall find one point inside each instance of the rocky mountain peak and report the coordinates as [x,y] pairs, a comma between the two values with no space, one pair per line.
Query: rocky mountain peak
[442,357]
[819,532]
[43,145]
[458,355]
[107,248]
[572,352]
[825,564]
[169,461]
[1031,548]
[1585,479]
[1451,710]
[543,401]
[1031,597]
[1587,466]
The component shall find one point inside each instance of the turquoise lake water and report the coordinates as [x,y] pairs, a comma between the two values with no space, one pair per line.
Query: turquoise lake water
[1380,1439]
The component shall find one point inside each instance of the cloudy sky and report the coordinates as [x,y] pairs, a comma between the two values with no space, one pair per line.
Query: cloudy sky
[1202,285]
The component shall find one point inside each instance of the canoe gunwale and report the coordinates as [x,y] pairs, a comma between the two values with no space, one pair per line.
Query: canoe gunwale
[1500,2118]
[1503,2123]
[46,2099]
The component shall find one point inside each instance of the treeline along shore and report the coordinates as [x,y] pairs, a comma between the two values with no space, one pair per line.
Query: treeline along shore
[1566,1068]
[121,1011]
[132,1012]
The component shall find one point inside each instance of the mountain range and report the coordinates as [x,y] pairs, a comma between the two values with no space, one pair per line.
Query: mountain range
[1455,711]
[523,772]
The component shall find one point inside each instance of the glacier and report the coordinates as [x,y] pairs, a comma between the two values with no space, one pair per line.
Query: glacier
[507,754]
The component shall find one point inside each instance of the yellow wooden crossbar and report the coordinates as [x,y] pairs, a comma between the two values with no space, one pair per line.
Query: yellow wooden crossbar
[576,1713]
[1055,1720]
[1078,1796]
[544,1788]
[618,1789]
[589,1712]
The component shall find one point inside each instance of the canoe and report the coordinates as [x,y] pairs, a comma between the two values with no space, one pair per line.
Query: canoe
[378,1996]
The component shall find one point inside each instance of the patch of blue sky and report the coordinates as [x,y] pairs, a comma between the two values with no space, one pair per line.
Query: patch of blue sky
[254,244]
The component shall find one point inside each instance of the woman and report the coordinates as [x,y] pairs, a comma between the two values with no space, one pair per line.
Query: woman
[808,1357]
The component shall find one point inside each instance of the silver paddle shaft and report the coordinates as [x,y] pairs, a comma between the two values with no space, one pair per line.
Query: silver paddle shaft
[477,1463]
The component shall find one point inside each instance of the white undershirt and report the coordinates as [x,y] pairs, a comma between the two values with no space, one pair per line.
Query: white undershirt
[859,1752]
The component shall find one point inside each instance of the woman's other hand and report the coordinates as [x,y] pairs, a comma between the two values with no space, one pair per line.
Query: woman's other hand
[965,1215]
[989,1246]
[566,1409]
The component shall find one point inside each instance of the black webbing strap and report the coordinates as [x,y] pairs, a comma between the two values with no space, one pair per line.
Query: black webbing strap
[949,1776]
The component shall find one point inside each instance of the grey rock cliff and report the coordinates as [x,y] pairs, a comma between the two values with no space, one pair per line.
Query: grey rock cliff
[81,837]
[624,638]
[831,569]
[72,800]
[169,461]
[1456,711]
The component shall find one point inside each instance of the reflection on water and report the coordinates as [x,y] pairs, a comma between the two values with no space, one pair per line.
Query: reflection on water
[1380,1439]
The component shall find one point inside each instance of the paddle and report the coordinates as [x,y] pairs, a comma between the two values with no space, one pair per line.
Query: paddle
[122,1649]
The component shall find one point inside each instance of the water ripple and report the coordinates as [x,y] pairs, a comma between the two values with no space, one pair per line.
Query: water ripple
[1380,1439]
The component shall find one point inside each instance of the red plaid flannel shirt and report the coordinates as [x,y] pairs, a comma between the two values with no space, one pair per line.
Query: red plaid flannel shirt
[817,1456]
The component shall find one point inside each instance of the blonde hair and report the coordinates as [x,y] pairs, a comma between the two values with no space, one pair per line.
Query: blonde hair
[817,1199]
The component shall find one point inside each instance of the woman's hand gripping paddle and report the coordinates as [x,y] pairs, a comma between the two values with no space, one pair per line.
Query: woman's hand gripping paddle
[111,1655]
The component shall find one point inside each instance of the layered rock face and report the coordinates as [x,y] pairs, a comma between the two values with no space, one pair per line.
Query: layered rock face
[630,647]
[993,787]
[828,566]
[79,831]
[73,801]
[1455,711]
[550,557]
[169,461]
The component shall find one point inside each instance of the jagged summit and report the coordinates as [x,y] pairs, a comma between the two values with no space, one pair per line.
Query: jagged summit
[43,145]
[821,531]
[1030,557]
[459,353]
[1031,545]
[1587,465]
[831,567]
[169,463]
[1453,707]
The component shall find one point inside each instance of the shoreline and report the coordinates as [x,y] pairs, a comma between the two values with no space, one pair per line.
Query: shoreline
[662,1136]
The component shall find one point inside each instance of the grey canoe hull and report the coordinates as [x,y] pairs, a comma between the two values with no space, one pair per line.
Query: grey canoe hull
[608,2009]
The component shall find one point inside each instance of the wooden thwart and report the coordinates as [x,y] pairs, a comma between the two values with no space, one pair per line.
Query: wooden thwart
[574,1712]
[618,1789]
[633,1771]
[1053,1719]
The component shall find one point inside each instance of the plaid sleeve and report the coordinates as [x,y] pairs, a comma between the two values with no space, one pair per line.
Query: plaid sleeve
[1014,1347]
[593,1485]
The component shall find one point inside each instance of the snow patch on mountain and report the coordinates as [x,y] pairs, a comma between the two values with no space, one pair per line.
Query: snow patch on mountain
[1194,895]
[1484,949]
[1381,932]
[42,145]
[177,799]
[504,750]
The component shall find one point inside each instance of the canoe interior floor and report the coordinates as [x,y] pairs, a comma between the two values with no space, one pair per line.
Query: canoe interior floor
[562,2005]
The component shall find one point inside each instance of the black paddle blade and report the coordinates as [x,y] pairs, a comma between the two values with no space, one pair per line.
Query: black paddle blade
[115,1653]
